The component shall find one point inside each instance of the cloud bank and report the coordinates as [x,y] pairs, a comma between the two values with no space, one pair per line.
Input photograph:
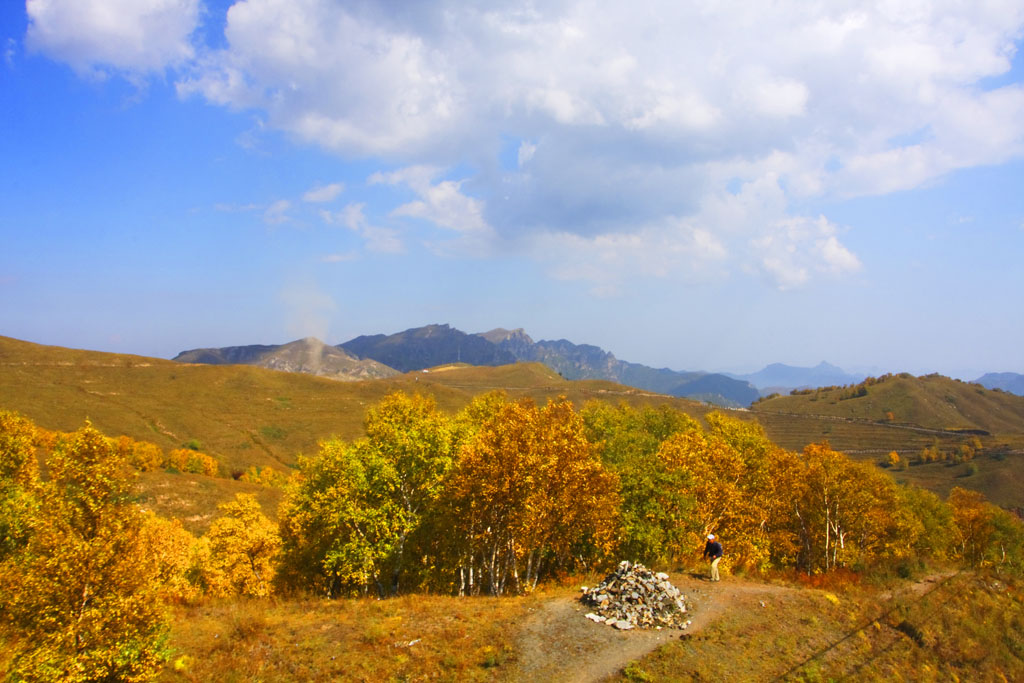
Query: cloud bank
[659,138]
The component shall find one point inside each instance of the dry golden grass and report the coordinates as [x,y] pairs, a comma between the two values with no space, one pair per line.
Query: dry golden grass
[970,627]
[414,637]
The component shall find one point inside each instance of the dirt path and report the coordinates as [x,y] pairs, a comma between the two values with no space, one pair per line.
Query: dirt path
[558,643]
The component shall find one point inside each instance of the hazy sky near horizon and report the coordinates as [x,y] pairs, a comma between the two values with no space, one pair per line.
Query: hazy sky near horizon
[701,186]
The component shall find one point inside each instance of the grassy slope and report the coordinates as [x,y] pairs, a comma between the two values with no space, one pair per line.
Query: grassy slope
[924,409]
[243,415]
[933,401]
[963,627]
[248,416]
[968,627]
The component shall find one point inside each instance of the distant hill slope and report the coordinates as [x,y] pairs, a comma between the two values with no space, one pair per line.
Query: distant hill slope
[932,401]
[1007,381]
[309,355]
[433,345]
[779,376]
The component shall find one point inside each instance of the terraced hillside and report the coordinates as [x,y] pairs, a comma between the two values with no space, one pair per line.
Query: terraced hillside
[932,401]
[907,414]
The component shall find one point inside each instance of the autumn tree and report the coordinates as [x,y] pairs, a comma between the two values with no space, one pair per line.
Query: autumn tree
[243,548]
[934,520]
[177,555]
[655,502]
[527,490]
[337,533]
[849,513]
[19,474]
[973,523]
[81,588]
[762,522]
[349,518]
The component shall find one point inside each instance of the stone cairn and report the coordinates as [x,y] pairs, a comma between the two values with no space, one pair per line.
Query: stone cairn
[634,596]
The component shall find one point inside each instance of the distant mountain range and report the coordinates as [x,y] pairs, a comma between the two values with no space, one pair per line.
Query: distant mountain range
[1007,381]
[779,377]
[309,355]
[424,347]
[420,348]
[379,355]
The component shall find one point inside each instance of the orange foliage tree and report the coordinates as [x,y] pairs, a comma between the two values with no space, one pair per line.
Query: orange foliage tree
[528,488]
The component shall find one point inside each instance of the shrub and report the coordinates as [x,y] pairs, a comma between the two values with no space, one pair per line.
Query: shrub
[193,462]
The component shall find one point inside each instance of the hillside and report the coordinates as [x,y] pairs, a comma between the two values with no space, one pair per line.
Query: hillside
[927,412]
[249,416]
[244,416]
[933,401]
[310,356]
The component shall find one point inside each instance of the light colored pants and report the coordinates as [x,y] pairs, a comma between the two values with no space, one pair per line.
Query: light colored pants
[714,569]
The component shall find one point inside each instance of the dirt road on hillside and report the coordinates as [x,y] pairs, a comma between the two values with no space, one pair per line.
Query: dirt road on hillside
[558,644]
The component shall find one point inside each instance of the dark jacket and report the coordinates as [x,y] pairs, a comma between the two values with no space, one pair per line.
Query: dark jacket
[712,549]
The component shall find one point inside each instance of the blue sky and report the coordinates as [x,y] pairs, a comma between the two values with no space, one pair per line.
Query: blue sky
[712,187]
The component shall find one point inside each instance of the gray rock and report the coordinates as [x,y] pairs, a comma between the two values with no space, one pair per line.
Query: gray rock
[634,595]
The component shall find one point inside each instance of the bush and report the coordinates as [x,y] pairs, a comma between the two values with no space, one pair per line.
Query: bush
[193,462]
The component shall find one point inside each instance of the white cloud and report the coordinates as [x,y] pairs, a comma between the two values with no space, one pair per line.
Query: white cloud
[525,153]
[674,250]
[443,204]
[631,119]
[135,36]
[636,123]
[339,258]
[324,193]
[792,249]
[277,212]
[353,217]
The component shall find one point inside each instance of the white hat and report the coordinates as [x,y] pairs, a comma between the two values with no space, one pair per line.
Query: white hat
[711,537]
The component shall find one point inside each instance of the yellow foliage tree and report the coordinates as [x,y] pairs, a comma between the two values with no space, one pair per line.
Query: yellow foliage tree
[849,513]
[973,522]
[82,589]
[243,549]
[176,553]
[527,489]
[19,473]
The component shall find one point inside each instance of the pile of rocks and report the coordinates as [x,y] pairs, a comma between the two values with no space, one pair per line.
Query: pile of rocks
[634,596]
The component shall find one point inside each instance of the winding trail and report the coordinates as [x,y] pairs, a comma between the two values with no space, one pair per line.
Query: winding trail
[556,643]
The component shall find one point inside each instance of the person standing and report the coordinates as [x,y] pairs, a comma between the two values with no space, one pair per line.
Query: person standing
[713,552]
